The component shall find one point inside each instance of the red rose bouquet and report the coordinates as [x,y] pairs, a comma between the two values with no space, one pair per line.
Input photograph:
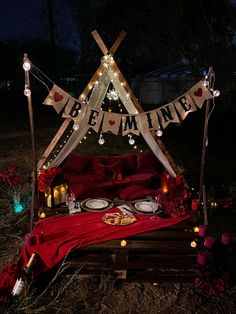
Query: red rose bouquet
[46,177]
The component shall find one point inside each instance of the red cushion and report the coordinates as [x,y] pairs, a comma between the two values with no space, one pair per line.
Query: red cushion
[114,170]
[148,163]
[133,192]
[76,164]
[98,169]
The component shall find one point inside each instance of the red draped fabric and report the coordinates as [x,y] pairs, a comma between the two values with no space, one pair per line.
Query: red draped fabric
[62,234]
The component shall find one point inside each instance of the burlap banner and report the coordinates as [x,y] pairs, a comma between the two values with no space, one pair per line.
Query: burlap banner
[98,119]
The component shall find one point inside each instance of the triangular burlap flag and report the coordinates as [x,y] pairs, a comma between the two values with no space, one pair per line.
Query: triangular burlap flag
[200,93]
[184,105]
[57,98]
[93,118]
[111,122]
[167,114]
[129,124]
[148,120]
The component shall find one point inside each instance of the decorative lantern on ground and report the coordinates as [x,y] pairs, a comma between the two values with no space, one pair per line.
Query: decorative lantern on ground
[56,194]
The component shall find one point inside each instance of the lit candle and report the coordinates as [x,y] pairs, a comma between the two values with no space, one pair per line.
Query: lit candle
[62,194]
[225,238]
[202,231]
[193,244]
[164,188]
[202,257]
[49,201]
[42,215]
[209,241]
[56,196]
[195,205]
[123,243]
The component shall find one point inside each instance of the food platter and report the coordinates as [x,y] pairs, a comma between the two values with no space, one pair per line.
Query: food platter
[96,204]
[146,207]
[118,219]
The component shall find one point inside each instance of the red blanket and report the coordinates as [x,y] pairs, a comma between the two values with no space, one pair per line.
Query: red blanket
[62,234]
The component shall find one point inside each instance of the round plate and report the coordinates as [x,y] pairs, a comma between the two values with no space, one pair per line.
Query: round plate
[118,219]
[96,204]
[146,207]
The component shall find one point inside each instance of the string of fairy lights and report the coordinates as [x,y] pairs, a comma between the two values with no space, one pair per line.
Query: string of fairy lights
[113,99]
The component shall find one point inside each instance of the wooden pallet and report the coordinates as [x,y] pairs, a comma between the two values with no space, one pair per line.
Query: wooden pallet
[163,255]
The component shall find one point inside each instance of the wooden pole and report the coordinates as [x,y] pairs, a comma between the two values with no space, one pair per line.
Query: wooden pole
[205,141]
[26,66]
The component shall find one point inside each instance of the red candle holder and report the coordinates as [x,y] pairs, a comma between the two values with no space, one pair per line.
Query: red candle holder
[209,242]
[202,257]
[202,231]
[195,205]
[39,238]
[225,238]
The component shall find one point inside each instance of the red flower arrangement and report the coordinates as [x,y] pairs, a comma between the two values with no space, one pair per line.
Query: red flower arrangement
[46,178]
[9,177]
[212,285]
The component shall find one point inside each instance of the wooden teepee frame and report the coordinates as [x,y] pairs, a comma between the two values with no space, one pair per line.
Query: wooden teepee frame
[88,88]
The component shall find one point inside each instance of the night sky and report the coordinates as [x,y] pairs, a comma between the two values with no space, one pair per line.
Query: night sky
[27,19]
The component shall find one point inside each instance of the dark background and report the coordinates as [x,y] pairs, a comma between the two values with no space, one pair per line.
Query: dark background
[57,37]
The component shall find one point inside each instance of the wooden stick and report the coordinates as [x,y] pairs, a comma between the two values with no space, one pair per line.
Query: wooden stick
[205,139]
[114,47]
[117,42]
[53,142]
[205,206]
[34,201]
[100,42]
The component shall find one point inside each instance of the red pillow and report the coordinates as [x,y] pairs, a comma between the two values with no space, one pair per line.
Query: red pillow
[114,170]
[76,164]
[147,163]
[98,169]
[133,192]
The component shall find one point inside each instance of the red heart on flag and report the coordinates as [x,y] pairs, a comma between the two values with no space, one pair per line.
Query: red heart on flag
[111,122]
[57,97]
[198,92]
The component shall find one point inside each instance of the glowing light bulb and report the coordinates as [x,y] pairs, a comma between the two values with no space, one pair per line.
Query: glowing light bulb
[216,93]
[101,140]
[131,141]
[196,229]
[26,66]
[76,127]
[27,92]
[159,132]
[205,83]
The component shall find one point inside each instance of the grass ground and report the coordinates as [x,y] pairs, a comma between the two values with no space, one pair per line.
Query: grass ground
[105,294]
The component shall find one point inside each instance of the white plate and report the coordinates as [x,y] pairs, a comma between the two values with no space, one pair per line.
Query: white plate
[146,206]
[96,203]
